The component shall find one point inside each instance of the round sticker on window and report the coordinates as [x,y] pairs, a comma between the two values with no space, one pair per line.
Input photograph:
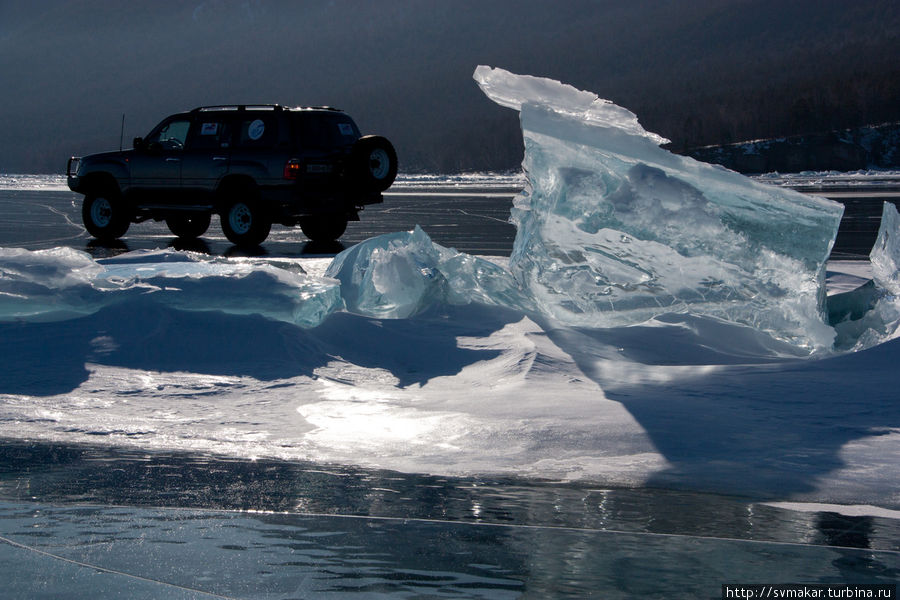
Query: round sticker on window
[256,129]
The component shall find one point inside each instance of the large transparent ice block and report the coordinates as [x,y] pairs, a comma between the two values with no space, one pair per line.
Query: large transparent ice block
[614,230]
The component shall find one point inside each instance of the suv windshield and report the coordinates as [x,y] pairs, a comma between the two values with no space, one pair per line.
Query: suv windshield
[172,135]
[324,130]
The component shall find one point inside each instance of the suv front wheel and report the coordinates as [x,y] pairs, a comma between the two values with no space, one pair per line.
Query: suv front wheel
[244,222]
[105,215]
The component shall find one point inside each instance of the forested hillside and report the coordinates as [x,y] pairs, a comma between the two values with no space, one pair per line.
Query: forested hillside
[699,72]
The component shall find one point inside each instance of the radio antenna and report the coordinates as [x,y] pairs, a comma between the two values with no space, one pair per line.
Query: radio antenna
[122,133]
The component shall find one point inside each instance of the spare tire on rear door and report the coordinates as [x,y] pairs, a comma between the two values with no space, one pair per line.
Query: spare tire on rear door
[373,163]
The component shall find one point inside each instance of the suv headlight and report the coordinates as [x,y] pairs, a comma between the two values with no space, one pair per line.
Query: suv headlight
[73,166]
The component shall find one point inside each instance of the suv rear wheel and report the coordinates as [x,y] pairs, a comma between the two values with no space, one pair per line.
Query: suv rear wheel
[244,221]
[105,215]
[324,228]
[189,225]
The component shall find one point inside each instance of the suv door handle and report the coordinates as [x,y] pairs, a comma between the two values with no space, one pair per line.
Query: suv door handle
[220,158]
[173,160]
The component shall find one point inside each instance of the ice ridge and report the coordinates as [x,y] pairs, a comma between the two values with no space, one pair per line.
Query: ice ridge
[62,283]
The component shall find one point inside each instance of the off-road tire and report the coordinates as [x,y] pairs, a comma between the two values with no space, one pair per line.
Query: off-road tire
[105,215]
[245,222]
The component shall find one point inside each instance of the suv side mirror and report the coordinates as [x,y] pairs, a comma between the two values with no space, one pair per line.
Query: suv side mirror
[138,143]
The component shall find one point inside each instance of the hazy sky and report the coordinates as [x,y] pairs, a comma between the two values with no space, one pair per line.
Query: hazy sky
[403,68]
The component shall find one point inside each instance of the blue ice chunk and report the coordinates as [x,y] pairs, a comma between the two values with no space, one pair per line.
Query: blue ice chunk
[614,230]
[390,276]
[398,275]
[872,315]
[48,284]
[63,283]
[885,254]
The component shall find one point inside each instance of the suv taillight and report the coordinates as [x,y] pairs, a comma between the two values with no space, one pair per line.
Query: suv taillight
[292,169]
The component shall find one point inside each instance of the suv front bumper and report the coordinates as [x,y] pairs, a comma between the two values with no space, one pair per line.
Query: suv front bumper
[72,178]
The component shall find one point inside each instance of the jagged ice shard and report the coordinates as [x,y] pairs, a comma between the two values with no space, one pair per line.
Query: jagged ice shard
[885,255]
[614,230]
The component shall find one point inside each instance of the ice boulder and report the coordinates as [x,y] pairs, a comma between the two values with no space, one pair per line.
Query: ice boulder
[614,230]
[398,275]
[48,284]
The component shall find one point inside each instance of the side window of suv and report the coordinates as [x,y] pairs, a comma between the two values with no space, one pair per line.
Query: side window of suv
[257,131]
[210,134]
[172,135]
[324,130]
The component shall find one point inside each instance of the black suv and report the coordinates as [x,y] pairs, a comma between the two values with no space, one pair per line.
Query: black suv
[253,165]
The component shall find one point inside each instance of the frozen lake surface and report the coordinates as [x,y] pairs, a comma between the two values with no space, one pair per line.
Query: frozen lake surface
[156,525]
[152,452]
[466,212]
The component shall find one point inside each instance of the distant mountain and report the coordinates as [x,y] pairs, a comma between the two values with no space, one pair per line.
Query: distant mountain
[870,147]
[699,72]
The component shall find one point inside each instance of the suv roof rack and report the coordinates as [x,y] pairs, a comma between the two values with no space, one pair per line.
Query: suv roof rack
[275,107]
[331,108]
[238,107]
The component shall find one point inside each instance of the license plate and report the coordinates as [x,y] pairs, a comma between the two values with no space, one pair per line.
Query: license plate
[319,168]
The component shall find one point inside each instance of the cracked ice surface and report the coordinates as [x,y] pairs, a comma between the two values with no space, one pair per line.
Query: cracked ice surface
[613,230]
